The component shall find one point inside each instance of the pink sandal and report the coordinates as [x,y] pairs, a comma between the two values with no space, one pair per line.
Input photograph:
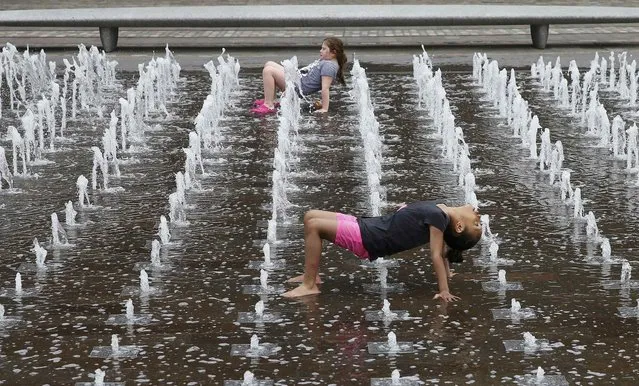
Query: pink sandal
[263,110]
[259,102]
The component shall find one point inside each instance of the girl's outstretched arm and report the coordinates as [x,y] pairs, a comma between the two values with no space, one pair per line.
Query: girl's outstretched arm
[441,268]
[326,86]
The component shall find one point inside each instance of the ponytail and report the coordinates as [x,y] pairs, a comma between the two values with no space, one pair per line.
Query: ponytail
[454,256]
[337,47]
[458,242]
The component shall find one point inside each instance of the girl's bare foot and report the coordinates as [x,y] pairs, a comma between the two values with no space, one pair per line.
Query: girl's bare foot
[300,278]
[300,291]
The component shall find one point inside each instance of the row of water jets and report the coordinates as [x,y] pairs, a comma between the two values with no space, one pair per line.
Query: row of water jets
[284,158]
[369,132]
[156,87]
[614,136]
[208,136]
[30,77]
[41,80]
[621,142]
[432,97]
[511,106]
[368,128]
[43,121]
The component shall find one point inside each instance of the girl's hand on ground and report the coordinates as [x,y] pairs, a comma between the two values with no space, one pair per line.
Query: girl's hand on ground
[451,273]
[446,296]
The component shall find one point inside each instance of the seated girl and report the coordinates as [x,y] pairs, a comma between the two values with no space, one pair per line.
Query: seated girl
[318,76]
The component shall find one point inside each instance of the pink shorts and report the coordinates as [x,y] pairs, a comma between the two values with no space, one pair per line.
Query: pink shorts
[348,235]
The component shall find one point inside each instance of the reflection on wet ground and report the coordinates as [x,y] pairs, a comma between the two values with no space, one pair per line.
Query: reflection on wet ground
[323,339]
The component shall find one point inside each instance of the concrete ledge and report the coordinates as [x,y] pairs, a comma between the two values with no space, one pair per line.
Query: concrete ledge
[303,16]
[319,16]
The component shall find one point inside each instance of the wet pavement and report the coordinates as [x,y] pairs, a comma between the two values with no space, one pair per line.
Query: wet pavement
[323,339]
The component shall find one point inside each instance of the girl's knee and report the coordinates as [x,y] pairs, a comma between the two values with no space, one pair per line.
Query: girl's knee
[309,215]
[311,225]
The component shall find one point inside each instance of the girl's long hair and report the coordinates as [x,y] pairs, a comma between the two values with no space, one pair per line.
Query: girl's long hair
[337,46]
[458,243]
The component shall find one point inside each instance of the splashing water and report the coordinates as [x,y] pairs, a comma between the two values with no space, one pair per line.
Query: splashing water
[99,377]
[259,309]
[177,214]
[469,189]
[194,145]
[18,283]
[5,173]
[144,282]
[578,205]
[41,253]
[501,277]
[255,343]
[57,231]
[110,145]
[155,253]
[33,152]
[485,227]
[529,340]
[565,186]
[264,279]
[369,131]
[115,345]
[82,183]
[99,161]
[605,249]
[69,213]
[632,149]
[180,187]
[539,375]
[383,277]
[129,309]
[249,379]
[395,378]
[271,235]
[591,227]
[388,314]
[18,146]
[494,247]
[190,167]
[625,272]
[163,231]
[266,250]
[392,342]
[1,312]
[515,306]
[280,200]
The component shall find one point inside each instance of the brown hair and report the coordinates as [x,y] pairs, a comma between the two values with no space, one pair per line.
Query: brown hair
[458,242]
[337,47]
